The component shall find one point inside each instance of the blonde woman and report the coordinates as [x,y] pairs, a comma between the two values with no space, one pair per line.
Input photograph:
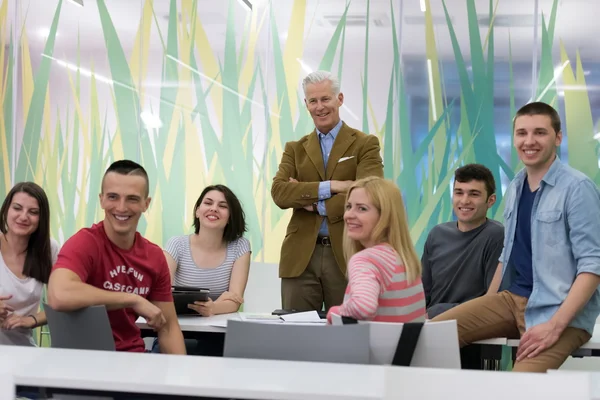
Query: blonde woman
[384,272]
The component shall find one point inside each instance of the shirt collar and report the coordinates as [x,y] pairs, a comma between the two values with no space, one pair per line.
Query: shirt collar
[334,132]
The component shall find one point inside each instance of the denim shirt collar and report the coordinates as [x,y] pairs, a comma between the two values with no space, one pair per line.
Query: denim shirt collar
[549,177]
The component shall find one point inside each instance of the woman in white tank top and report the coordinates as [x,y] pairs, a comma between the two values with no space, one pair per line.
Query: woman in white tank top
[26,257]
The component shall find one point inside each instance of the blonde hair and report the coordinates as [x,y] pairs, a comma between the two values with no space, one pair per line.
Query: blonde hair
[392,226]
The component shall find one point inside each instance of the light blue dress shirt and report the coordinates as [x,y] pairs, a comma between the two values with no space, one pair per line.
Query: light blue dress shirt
[326,140]
[565,241]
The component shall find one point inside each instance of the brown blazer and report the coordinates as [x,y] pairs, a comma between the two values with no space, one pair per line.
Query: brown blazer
[303,161]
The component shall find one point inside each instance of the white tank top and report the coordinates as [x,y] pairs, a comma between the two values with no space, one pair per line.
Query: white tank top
[26,295]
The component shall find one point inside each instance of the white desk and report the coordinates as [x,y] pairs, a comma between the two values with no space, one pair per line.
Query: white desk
[592,344]
[448,384]
[493,341]
[216,323]
[192,376]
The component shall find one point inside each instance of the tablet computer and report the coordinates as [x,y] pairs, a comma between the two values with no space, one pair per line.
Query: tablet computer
[182,296]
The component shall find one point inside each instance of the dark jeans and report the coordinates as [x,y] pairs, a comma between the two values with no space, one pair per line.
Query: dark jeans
[209,345]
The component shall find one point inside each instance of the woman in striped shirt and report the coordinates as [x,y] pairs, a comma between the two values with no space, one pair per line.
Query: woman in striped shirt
[216,256]
[384,271]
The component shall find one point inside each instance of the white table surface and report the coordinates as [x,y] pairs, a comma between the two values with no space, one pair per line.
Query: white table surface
[450,384]
[192,376]
[7,386]
[216,323]
[592,344]
[493,341]
[193,323]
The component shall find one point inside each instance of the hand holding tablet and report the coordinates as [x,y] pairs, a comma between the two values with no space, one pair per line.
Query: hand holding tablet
[184,296]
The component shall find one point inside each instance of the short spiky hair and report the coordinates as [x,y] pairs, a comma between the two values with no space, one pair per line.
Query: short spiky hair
[128,167]
[539,108]
[476,172]
[322,76]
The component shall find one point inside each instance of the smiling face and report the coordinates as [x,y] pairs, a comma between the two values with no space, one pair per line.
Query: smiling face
[471,202]
[535,141]
[213,211]
[323,105]
[123,200]
[361,217]
[23,215]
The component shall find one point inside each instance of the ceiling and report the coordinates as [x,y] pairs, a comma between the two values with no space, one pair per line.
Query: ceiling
[514,19]
[513,16]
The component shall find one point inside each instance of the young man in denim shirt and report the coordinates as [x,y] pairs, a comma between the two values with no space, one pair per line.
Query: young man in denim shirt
[545,289]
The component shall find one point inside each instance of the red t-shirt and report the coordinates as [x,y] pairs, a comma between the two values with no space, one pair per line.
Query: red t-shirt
[142,270]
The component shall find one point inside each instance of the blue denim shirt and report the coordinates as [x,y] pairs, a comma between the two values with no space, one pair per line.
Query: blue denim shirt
[565,241]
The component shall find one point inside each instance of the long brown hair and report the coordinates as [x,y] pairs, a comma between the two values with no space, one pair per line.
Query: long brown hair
[38,260]
[392,226]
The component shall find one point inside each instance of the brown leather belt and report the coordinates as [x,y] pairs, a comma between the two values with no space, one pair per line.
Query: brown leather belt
[324,241]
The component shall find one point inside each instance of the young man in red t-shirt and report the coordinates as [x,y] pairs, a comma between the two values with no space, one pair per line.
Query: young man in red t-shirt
[111,264]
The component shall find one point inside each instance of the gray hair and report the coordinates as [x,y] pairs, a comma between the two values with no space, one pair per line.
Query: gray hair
[321,76]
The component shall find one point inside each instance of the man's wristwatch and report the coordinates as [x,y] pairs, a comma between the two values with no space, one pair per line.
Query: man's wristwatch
[315,209]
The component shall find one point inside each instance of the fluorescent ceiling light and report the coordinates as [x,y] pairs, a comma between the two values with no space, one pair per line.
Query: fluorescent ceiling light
[86,72]
[77,2]
[557,72]
[423,6]
[82,71]
[246,3]
[304,66]
[150,120]
[431,89]
[241,96]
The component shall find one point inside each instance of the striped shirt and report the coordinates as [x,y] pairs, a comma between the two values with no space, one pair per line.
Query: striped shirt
[189,274]
[378,290]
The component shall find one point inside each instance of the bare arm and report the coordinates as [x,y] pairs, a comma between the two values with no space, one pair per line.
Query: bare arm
[496,280]
[491,264]
[172,266]
[231,300]
[66,292]
[169,335]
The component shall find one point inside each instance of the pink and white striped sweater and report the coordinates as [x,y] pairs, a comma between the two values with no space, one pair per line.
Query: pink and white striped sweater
[378,290]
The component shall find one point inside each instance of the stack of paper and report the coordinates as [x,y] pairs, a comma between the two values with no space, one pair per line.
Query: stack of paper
[311,317]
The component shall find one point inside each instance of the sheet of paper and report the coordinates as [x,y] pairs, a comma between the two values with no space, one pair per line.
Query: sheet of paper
[307,316]
[255,317]
[219,324]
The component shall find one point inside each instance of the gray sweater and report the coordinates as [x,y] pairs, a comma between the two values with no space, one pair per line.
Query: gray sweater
[459,266]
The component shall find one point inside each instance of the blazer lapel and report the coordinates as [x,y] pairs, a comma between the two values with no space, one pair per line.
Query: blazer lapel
[313,149]
[343,140]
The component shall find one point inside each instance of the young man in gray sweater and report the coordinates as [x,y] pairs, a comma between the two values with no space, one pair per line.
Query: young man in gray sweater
[460,257]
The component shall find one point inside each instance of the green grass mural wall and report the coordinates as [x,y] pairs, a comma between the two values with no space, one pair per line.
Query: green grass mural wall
[208,132]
